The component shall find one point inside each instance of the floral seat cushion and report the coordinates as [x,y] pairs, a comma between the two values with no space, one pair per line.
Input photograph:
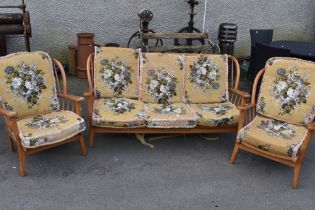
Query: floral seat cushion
[116,72]
[176,115]
[161,78]
[206,78]
[274,136]
[216,115]
[49,128]
[118,112]
[288,90]
[27,83]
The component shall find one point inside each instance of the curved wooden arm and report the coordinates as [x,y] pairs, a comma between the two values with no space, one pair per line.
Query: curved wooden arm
[71,97]
[90,69]
[8,114]
[240,93]
[63,75]
[238,71]
[257,78]
[311,126]
[246,106]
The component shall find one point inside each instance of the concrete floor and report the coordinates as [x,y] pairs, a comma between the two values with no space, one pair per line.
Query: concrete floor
[120,173]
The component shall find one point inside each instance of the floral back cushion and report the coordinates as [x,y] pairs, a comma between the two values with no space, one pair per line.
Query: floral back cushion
[288,90]
[116,72]
[27,83]
[206,78]
[161,78]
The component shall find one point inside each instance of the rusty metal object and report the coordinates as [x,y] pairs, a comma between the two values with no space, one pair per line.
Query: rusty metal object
[145,17]
[85,48]
[15,24]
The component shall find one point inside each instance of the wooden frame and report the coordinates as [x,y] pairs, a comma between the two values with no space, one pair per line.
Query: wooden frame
[248,112]
[67,102]
[236,96]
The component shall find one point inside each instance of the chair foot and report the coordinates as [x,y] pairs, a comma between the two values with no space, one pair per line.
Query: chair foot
[11,145]
[91,140]
[234,153]
[296,176]
[82,145]
[22,157]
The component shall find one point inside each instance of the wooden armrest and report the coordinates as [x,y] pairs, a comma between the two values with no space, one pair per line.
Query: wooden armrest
[8,114]
[239,92]
[88,93]
[247,106]
[71,97]
[311,126]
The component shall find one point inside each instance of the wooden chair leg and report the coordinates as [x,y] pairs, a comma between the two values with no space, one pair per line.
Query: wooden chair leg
[82,145]
[11,144]
[91,142]
[234,153]
[22,157]
[296,175]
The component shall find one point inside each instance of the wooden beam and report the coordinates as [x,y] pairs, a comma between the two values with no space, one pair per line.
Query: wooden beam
[175,36]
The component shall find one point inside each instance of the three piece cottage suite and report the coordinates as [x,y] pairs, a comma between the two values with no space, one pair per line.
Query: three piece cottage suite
[140,93]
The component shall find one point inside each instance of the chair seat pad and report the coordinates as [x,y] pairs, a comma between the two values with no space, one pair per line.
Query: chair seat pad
[118,112]
[50,128]
[274,136]
[216,114]
[176,115]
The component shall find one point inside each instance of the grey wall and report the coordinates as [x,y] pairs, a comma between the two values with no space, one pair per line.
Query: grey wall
[56,22]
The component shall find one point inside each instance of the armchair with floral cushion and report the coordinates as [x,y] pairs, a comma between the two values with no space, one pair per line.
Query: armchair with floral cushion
[280,125]
[39,113]
[162,93]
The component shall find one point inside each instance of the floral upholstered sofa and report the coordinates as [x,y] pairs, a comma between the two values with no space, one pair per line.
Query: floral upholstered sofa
[30,103]
[134,92]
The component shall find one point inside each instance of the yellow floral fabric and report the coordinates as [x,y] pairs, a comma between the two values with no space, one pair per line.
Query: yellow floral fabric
[206,78]
[176,115]
[27,83]
[116,72]
[274,136]
[118,112]
[217,114]
[288,90]
[161,78]
[40,130]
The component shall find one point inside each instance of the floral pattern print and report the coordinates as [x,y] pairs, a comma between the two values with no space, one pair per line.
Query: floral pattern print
[119,105]
[220,109]
[277,128]
[118,112]
[291,89]
[216,115]
[49,128]
[261,105]
[161,86]
[274,136]
[204,73]
[170,110]
[180,61]
[41,122]
[116,74]
[26,81]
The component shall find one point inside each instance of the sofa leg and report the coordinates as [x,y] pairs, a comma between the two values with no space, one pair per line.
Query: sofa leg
[22,157]
[234,153]
[82,145]
[91,140]
[296,176]
[140,137]
[11,144]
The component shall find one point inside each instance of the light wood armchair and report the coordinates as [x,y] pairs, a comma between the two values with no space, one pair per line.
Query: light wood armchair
[248,113]
[67,102]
